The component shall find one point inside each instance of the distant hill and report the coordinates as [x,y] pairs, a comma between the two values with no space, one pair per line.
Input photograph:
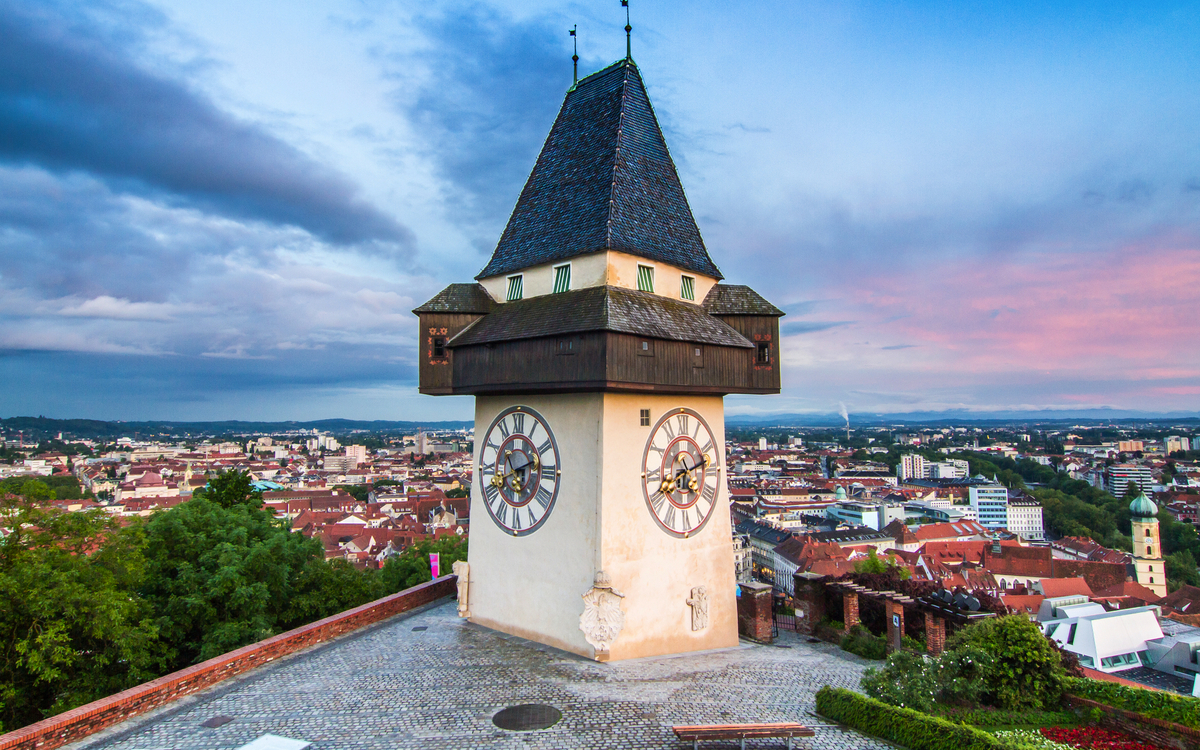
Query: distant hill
[38,428]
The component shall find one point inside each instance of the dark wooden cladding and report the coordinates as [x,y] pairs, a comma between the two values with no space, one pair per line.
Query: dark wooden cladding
[763,331]
[606,361]
[435,367]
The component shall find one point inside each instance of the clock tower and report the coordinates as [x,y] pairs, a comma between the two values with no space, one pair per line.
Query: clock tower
[599,343]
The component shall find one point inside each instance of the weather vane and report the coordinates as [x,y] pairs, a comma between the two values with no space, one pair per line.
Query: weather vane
[628,29]
[575,57]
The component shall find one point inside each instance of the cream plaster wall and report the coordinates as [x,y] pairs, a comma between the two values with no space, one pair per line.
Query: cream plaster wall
[533,585]
[610,268]
[655,570]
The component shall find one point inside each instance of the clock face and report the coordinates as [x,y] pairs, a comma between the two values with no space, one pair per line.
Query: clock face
[519,470]
[681,472]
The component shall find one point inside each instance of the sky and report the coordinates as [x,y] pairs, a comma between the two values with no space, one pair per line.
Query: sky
[226,210]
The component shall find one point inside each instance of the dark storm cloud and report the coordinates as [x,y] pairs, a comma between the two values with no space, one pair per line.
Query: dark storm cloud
[72,98]
[493,89]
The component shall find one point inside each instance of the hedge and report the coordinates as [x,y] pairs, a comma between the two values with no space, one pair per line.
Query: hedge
[1000,718]
[1158,704]
[903,726]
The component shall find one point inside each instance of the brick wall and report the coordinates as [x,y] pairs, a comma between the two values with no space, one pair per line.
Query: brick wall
[810,602]
[895,625]
[935,634]
[755,619]
[849,610]
[1164,734]
[77,723]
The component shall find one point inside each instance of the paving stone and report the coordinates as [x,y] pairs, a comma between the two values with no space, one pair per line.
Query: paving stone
[396,686]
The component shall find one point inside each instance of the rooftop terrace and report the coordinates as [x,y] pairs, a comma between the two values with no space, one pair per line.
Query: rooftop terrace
[427,679]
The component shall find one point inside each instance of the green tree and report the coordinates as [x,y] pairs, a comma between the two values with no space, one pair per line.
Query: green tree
[221,571]
[873,564]
[70,632]
[411,567]
[230,489]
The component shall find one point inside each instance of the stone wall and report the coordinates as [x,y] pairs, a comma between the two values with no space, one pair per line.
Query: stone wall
[77,723]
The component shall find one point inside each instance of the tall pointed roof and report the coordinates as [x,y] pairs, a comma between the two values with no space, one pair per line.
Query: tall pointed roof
[604,181]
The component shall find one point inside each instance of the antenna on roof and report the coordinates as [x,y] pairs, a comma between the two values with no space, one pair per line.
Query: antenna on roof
[628,29]
[575,57]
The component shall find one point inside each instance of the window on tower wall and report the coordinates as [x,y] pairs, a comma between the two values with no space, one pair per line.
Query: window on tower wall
[764,354]
[515,288]
[645,417]
[439,347]
[645,278]
[562,278]
[687,288]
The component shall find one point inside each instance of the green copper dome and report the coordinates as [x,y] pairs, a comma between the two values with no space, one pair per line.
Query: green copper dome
[1143,507]
[840,493]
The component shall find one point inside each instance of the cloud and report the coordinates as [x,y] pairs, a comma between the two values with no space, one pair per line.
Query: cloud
[120,309]
[72,97]
[491,89]
[896,347]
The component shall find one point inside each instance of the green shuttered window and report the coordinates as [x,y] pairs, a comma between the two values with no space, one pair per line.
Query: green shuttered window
[687,288]
[645,278]
[515,290]
[562,278]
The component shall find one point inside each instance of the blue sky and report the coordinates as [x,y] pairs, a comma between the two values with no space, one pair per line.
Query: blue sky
[226,210]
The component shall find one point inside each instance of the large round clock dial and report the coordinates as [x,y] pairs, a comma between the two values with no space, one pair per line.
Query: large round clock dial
[681,472]
[519,470]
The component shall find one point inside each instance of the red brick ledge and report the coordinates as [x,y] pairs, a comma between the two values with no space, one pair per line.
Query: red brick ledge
[77,723]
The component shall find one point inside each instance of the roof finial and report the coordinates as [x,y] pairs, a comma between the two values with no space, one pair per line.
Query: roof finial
[628,29]
[575,57]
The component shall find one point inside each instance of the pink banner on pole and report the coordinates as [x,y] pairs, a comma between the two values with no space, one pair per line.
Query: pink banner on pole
[435,564]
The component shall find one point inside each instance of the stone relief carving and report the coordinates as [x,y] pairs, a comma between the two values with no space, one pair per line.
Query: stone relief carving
[602,618]
[699,604]
[462,569]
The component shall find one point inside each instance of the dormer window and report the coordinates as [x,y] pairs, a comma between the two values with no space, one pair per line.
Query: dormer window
[515,287]
[687,288]
[562,278]
[645,278]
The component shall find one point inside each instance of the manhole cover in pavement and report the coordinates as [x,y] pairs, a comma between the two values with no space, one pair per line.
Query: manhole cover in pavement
[420,628]
[217,721]
[527,717]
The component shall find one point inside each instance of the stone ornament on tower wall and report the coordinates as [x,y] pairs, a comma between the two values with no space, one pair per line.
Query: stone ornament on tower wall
[462,569]
[602,618]
[699,604]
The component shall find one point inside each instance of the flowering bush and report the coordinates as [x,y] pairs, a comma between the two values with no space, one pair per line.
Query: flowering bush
[1029,739]
[1093,738]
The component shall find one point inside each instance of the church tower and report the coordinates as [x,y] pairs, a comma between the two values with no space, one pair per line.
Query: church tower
[599,343]
[1147,549]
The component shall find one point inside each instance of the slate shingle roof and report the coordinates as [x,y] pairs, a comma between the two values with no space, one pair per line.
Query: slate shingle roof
[735,299]
[604,180]
[601,308]
[459,298]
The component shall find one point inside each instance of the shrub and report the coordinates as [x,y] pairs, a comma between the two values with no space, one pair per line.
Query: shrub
[915,681]
[1028,672]
[1029,739]
[860,641]
[1158,704]
[906,680]
[903,726]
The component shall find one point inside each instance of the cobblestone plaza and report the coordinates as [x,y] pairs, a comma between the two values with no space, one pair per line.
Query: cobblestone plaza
[429,680]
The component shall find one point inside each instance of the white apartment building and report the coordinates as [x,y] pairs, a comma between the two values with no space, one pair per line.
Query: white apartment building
[913,466]
[1118,477]
[1175,443]
[1025,518]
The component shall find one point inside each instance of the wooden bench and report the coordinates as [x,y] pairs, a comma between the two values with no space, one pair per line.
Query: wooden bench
[741,732]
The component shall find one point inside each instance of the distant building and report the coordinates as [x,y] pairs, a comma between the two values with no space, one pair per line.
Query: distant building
[1131,446]
[990,503]
[1118,477]
[1025,518]
[1175,443]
